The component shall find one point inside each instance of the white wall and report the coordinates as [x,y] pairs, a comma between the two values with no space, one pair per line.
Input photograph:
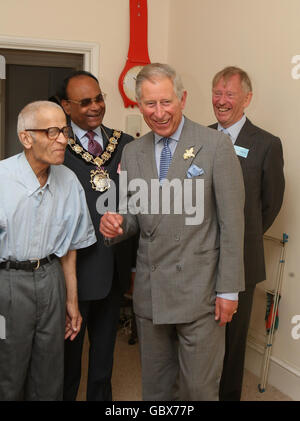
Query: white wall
[105,22]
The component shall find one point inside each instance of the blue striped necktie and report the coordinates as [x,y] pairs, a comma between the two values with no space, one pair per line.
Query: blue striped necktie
[165,159]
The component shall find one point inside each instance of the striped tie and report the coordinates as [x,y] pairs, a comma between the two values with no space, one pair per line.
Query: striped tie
[225,131]
[94,147]
[165,159]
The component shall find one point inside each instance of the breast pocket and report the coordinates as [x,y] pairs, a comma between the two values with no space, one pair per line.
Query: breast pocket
[57,230]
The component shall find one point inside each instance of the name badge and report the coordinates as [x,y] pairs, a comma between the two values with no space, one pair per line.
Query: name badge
[239,150]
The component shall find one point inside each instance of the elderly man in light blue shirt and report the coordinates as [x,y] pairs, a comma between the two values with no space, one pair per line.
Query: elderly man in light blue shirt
[43,220]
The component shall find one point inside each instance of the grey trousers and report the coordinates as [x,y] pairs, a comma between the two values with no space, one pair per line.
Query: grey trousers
[181,361]
[32,352]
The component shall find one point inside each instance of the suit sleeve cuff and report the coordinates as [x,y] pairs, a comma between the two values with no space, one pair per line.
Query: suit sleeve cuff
[232,296]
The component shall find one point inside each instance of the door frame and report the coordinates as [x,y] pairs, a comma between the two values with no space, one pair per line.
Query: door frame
[89,51]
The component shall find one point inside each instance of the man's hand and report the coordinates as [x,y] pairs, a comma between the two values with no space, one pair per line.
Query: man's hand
[110,225]
[73,321]
[224,310]
[73,317]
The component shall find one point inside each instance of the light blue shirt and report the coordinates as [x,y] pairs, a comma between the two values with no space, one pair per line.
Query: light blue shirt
[234,130]
[37,221]
[84,140]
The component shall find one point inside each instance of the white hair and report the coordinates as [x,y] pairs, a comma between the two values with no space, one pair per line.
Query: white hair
[27,117]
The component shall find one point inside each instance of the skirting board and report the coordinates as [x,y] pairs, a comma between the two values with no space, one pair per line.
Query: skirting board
[281,375]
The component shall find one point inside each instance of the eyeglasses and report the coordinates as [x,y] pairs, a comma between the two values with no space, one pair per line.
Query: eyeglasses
[54,132]
[88,101]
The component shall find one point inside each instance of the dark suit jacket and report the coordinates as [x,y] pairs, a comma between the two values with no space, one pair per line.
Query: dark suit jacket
[96,264]
[264,189]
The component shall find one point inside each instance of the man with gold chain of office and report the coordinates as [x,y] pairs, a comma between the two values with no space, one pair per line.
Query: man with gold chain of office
[103,274]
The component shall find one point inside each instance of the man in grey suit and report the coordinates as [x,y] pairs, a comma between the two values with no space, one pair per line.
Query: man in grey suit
[187,269]
[261,159]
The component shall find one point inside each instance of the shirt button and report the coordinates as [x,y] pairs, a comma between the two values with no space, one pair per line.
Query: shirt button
[178,268]
[153,267]
[177,237]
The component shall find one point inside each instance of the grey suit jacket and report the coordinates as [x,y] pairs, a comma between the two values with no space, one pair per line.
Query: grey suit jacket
[264,189]
[180,267]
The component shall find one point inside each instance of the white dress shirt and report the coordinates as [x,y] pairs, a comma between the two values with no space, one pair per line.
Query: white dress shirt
[81,135]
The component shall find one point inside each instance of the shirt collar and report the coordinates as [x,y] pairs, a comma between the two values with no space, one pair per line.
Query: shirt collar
[175,136]
[50,181]
[80,133]
[28,177]
[235,129]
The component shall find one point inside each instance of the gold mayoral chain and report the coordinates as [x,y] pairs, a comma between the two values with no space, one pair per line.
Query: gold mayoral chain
[99,178]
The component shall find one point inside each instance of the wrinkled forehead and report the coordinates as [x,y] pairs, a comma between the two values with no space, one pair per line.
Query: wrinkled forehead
[157,86]
[226,78]
[231,80]
[49,117]
[83,87]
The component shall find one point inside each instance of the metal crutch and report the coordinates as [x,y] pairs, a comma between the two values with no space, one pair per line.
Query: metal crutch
[276,293]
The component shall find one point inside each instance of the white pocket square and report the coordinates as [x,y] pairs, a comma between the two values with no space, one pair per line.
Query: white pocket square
[194,171]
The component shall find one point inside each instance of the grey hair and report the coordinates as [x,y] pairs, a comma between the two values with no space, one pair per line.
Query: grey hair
[154,71]
[27,117]
[230,71]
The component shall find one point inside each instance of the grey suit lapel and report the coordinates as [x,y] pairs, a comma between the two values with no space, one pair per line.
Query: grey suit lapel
[179,166]
[188,140]
[146,159]
[147,167]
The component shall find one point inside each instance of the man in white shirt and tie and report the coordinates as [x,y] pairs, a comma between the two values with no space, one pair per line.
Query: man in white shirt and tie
[103,274]
[261,159]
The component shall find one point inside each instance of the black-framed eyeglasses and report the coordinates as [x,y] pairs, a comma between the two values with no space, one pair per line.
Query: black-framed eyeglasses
[54,132]
[88,101]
